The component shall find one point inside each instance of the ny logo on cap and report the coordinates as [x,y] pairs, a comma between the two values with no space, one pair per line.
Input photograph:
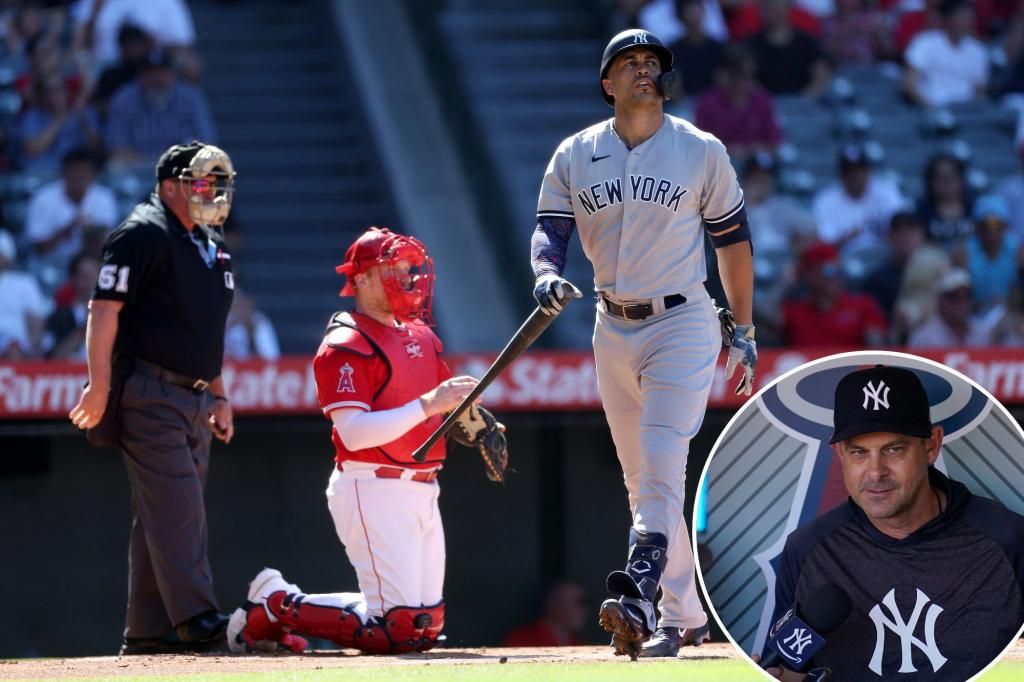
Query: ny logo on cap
[880,396]
[640,38]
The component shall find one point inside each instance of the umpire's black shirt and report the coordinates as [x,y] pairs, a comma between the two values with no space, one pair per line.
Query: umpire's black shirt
[939,604]
[177,288]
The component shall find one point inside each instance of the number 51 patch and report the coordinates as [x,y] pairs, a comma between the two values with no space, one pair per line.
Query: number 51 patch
[113,277]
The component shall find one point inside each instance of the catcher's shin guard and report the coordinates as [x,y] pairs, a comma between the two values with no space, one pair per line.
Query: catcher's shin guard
[414,628]
[648,554]
[339,624]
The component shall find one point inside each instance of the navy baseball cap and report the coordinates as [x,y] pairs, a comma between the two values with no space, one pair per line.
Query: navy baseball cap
[880,398]
[176,160]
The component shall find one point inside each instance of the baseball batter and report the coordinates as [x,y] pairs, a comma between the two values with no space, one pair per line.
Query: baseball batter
[382,383]
[642,188]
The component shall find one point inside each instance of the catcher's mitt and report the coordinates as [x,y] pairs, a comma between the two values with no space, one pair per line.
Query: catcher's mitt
[477,428]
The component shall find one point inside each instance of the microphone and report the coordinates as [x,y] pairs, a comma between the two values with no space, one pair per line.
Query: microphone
[800,633]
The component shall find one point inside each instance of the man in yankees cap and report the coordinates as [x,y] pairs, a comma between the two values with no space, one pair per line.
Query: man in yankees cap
[934,573]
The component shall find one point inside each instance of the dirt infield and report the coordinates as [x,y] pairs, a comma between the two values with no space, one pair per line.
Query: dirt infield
[111,666]
[71,668]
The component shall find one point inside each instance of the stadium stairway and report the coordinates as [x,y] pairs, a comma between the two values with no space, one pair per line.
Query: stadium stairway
[308,175]
[529,70]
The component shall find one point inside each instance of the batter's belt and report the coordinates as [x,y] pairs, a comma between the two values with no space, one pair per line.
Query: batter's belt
[639,310]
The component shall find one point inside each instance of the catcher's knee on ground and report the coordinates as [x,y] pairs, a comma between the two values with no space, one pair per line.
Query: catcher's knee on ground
[401,629]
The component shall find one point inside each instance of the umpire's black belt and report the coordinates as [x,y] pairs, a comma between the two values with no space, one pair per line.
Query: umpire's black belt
[158,372]
[639,311]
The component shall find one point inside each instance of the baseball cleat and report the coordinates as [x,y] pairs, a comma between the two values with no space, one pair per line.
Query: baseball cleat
[627,628]
[666,642]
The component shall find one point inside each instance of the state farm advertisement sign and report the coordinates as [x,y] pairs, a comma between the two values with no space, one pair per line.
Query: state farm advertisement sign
[540,381]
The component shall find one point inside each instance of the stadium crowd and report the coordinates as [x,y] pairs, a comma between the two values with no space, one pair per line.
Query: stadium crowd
[859,261]
[91,93]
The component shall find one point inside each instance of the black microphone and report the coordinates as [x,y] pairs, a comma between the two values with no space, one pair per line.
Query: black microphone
[800,633]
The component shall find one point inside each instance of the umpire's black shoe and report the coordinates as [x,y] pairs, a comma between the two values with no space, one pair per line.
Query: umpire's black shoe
[205,630]
[141,646]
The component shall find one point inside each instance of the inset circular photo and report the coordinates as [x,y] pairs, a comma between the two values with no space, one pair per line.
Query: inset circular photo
[864,520]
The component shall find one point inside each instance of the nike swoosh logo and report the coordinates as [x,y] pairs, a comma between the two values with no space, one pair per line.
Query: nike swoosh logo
[598,158]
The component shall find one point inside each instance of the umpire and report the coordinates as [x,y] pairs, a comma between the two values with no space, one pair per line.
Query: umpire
[155,340]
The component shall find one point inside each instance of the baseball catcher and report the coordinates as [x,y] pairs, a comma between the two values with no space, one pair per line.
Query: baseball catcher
[382,383]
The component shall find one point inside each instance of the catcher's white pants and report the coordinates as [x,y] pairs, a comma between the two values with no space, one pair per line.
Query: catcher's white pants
[392,532]
[654,377]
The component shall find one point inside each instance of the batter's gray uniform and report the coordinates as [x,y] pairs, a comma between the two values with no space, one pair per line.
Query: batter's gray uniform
[641,216]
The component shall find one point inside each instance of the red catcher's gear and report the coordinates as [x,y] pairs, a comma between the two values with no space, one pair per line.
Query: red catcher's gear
[402,629]
[409,293]
[413,357]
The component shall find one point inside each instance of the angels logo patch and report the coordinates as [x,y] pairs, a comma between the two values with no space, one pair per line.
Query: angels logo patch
[345,383]
[413,349]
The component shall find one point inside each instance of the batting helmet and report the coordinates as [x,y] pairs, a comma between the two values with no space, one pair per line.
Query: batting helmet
[637,38]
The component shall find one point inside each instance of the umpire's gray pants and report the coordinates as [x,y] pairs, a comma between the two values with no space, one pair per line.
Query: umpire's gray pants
[165,438]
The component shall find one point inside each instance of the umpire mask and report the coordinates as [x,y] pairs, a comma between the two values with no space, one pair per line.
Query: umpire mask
[209,185]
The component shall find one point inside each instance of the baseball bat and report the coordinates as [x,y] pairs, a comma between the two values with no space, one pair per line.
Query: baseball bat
[534,326]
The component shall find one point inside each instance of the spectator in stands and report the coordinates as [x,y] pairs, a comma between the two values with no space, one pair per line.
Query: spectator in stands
[29,23]
[856,34]
[945,208]
[249,333]
[947,66]
[155,112]
[1009,331]
[65,328]
[789,61]
[826,314]
[780,223]
[24,309]
[52,128]
[47,59]
[664,19]
[992,258]
[98,23]
[915,21]
[1012,191]
[906,236]
[134,44]
[745,20]
[61,212]
[738,111]
[952,325]
[696,54]
[565,614]
[918,295]
[854,212]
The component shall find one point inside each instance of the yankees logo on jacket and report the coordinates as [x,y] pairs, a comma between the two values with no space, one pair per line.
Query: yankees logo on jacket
[939,604]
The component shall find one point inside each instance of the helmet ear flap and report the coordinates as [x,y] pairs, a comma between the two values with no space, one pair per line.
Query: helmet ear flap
[668,82]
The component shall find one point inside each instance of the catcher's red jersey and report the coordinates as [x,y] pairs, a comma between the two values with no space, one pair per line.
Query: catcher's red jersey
[365,364]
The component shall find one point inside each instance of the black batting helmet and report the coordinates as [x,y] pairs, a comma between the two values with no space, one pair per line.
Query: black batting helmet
[634,38]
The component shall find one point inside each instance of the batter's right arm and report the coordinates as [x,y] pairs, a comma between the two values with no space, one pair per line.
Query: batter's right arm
[101,330]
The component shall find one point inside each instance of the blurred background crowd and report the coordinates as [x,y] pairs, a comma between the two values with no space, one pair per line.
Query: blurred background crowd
[878,144]
[91,93]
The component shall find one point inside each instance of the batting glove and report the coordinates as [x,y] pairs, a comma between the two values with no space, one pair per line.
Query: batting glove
[727,323]
[742,353]
[551,290]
